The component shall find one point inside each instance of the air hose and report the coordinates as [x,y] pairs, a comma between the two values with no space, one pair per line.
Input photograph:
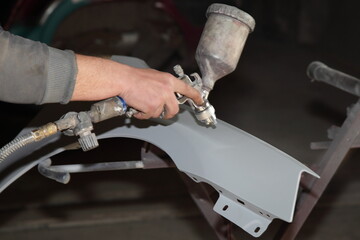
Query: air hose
[15,145]
[73,124]
[24,140]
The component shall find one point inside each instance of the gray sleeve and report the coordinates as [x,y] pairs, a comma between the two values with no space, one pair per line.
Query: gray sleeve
[32,72]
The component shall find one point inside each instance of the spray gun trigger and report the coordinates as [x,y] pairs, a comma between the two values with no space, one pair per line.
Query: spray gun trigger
[193,80]
[204,113]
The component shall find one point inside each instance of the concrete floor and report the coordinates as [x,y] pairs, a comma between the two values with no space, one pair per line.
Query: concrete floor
[268,96]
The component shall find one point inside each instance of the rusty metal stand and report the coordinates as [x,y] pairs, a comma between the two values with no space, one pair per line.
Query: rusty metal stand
[344,139]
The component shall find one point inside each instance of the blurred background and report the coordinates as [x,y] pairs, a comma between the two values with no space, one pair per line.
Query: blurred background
[269,96]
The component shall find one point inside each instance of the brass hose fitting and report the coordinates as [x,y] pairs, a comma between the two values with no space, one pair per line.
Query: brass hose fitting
[44,131]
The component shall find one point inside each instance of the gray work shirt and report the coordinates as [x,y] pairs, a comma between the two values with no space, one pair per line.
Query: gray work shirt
[32,72]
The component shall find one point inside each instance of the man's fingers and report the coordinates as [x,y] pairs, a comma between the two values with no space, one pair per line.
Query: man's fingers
[141,116]
[158,112]
[171,108]
[167,111]
[188,91]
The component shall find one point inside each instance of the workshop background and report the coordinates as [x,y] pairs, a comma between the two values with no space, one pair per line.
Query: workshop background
[268,96]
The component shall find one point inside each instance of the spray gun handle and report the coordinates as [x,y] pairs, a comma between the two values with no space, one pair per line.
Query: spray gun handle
[132,111]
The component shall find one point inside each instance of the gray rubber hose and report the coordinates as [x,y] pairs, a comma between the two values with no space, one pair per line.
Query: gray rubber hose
[16,144]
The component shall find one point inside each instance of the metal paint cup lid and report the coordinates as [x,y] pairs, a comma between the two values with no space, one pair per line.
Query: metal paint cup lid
[232,12]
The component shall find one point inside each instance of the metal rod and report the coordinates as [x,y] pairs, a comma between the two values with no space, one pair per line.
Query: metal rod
[61,173]
[97,167]
[320,72]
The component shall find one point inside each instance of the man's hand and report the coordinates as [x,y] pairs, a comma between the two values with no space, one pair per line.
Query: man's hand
[147,90]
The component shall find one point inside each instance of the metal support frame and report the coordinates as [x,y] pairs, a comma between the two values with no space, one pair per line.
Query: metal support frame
[326,168]
[343,139]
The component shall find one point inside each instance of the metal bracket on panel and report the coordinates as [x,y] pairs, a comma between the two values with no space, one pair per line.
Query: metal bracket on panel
[236,212]
[250,218]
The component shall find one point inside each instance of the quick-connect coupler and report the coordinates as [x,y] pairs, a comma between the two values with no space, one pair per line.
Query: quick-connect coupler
[44,131]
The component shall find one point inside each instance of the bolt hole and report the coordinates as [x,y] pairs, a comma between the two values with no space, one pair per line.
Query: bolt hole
[220,191]
[267,215]
[257,230]
[225,207]
[195,178]
[261,213]
[239,201]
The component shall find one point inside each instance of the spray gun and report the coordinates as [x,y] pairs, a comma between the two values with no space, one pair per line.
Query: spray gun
[217,55]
